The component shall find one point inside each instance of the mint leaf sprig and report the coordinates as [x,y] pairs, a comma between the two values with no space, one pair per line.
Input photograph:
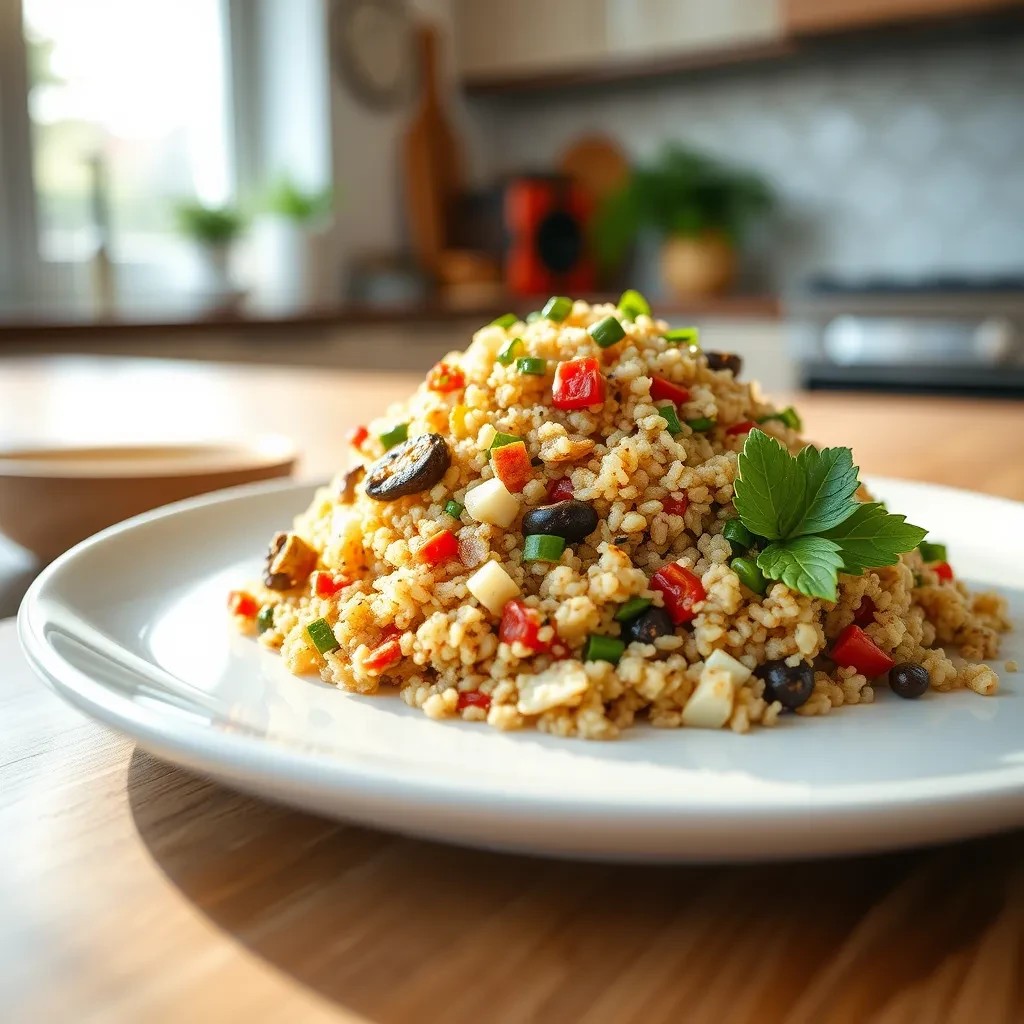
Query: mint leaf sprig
[804,507]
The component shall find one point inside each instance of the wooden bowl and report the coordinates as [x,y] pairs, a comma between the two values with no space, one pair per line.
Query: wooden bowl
[51,498]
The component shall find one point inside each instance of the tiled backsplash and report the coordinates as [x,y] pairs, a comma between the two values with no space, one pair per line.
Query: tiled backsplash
[896,162]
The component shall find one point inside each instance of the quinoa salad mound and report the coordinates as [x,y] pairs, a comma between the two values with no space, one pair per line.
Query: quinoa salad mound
[583,520]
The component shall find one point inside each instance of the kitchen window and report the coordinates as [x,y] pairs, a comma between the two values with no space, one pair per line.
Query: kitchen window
[127,107]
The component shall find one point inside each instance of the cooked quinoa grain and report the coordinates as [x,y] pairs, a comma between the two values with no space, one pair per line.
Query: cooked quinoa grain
[428,592]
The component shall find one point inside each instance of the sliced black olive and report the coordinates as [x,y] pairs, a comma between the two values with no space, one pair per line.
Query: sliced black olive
[648,626]
[908,680]
[724,361]
[409,468]
[349,482]
[790,685]
[571,519]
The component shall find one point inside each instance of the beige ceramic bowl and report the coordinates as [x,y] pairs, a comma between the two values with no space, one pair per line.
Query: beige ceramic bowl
[51,498]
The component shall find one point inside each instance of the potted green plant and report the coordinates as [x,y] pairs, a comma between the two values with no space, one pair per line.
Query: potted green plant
[213,229]
[291,242]
[701,208]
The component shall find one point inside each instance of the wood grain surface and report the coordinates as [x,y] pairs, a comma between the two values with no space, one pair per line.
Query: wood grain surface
[132,890]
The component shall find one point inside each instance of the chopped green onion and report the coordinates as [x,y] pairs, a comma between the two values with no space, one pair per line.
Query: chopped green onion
[671,417]
[931,552]
[532,318]
[789,416]
[396,435]
[701,423]
[454,509]
[265,619]
[509,351]
[557,308]
[324,640]
[532,365]
[632,608]
[603,648]
[684,336]
[543,547]
[506,320]
[607,332]
[633,304]
[750,575]
[500,440]
[739,537]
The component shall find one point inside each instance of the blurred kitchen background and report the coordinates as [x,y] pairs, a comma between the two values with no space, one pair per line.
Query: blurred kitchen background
[833,188]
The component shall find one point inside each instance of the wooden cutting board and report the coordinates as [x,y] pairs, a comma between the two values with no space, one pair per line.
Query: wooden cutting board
[431,161]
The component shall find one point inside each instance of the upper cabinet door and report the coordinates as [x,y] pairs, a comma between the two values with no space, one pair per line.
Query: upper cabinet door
[810,16]
[528,35]
[663,27]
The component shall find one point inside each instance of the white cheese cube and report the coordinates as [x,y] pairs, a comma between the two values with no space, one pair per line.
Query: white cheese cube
[561,684]
[710,705]
[492,586]
[719,661]
[492,502]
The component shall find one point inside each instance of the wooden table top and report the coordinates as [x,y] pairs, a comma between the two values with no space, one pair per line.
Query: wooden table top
[133,890]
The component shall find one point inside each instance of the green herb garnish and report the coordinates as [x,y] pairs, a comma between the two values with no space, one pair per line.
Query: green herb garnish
[804,506]
[607,332]
[932,552]
[510,351]
[689,336]
[671,417]
[633,304]
[506,320]
[557,308]
[789,416]
[396,435]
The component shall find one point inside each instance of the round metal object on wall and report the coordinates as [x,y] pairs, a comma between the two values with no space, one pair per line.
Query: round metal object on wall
[371,52]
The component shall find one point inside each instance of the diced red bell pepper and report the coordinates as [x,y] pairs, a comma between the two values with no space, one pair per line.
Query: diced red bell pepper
[855,649]
[357,435]
[473,699]
[242,603]
[442,547]
[743,427]
[520,622]
[682,589]
[865,614]
[327,584]
[662,389]
[578,384]
[384,655]
[676,506]
[511,463]
[444,378]
[943,570]
[560,490]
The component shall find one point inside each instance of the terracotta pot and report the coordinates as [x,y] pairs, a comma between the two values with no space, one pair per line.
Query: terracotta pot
[702,265]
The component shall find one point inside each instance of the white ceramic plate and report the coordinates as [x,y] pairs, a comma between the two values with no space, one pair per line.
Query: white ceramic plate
[130,627]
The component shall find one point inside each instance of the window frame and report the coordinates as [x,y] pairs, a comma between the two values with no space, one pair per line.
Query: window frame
[27,279]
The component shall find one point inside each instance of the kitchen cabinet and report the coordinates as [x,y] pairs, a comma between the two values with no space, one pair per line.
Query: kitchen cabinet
[541,36]
[807,17]
[528,35]
[660,27]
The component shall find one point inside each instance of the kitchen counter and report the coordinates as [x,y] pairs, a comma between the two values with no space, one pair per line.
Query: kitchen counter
[134,890]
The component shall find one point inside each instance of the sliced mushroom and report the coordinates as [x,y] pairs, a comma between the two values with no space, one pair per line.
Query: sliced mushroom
[290,560]
[566,449]
[348,484]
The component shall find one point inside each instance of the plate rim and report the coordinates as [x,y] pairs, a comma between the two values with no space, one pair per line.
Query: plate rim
[255,757]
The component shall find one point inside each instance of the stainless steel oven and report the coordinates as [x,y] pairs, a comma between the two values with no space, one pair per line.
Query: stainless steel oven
[946,335]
